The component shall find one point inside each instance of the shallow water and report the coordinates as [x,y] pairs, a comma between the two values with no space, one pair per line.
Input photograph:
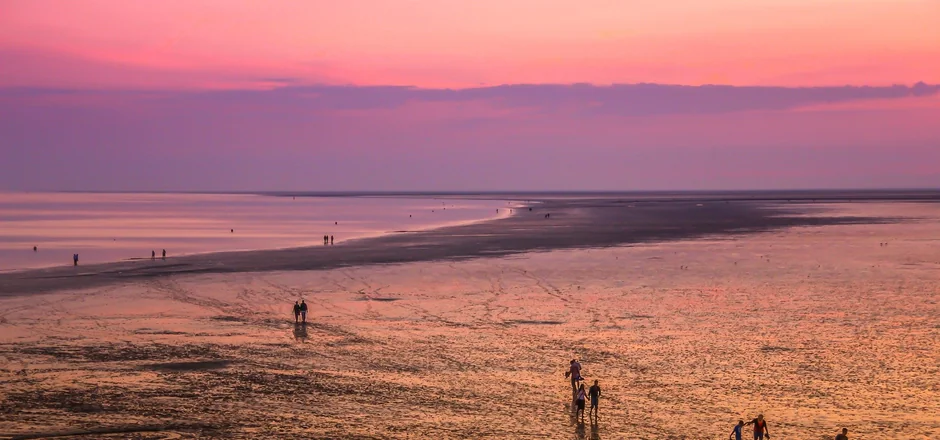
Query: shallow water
[816,328]
[110,227]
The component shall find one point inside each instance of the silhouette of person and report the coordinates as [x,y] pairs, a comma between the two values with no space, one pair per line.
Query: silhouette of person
[579,400]
[35,248]
[574,372]
[595,394]
[760,427]
[233,231]
[164,254]
[844,435]
[736,432]
[296,311]
[153,255]
[75,259]
[331,239]
[303,310]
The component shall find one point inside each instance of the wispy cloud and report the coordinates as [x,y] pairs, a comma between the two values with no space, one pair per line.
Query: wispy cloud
[585,99]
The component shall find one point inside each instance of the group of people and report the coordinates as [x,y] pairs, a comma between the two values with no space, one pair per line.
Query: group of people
[579,393]
[153,255]
[300,311]
[327,239]
[761,432]
[580,396]
[760,429]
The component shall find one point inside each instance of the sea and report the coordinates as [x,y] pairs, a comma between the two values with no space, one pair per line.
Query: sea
[106,227]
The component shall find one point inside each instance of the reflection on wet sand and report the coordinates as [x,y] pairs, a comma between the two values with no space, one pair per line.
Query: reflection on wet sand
[833,331]
[300,331]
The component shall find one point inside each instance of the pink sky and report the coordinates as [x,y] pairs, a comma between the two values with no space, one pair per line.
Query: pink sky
[462,43]
[273,95]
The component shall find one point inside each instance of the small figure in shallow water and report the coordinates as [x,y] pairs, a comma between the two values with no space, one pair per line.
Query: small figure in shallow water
[35,248]
[75,259]
[331,239]
[164,254]
[153,255]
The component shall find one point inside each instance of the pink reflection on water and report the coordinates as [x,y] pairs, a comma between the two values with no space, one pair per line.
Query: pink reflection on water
[109,227]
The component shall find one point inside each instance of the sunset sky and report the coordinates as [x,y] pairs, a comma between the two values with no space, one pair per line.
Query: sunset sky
[469,95]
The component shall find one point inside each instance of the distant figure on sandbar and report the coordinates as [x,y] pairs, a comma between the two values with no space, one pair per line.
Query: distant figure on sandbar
[548,215]
[579,400]
[736,432]
[153,255]
[75,259]
[331,239]
[760,427]
[35,248]
[233,231]
[326,240]
[844,435]
[296,311]
[164,254]
[574,372]
[335,223]
[303,311]
[595,393]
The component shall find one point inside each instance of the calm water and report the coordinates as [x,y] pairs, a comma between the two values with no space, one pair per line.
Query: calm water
[110,227]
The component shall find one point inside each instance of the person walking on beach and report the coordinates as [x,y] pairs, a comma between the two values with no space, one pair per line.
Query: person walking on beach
[736,432]
[760,427]
[331,239]
[595,394]
[164,254]
[153,255]
[574,372]
[296,311]
[303,310]
[844,435]
[75,259]
[579,400]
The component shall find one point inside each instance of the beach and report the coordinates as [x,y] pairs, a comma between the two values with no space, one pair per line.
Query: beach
[111,227]
[691,313]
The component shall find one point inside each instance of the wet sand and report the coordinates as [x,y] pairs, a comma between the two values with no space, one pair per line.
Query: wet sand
[816,327]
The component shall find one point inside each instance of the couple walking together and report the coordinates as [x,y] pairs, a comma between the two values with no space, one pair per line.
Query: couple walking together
[300,311]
